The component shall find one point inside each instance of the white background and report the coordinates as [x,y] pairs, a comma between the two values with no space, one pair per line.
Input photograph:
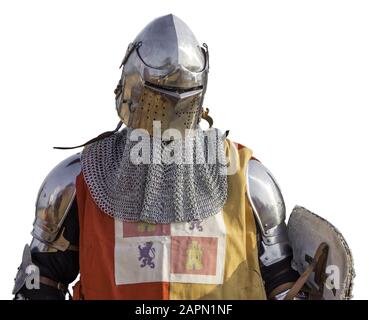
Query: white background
[288,78]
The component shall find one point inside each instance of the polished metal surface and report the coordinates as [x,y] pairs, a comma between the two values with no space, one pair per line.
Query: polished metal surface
[276,247]
[269,209]
[54,200]
[168,44]
[265,196]
[164,77]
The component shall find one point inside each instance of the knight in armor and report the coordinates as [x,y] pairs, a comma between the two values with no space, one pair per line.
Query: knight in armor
[136,220]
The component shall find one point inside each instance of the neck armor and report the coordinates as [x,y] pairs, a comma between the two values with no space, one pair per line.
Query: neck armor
[162,191]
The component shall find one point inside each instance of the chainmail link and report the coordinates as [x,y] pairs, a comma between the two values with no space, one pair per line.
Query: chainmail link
[156,192]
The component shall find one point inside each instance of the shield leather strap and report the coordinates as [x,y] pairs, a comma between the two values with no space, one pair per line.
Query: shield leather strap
[318,265]
[280,289]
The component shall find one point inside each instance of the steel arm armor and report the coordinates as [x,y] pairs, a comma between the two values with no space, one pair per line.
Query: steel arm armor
[55,234]
[269,210]
[54,201]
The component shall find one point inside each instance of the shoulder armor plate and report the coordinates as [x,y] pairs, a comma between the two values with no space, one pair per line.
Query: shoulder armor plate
[54,200]
[265,196]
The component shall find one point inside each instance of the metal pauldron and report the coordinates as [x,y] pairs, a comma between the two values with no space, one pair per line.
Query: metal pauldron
[53,203]
[269,209]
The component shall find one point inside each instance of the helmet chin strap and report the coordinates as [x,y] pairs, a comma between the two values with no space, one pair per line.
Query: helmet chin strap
[99,137]
[205,115]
